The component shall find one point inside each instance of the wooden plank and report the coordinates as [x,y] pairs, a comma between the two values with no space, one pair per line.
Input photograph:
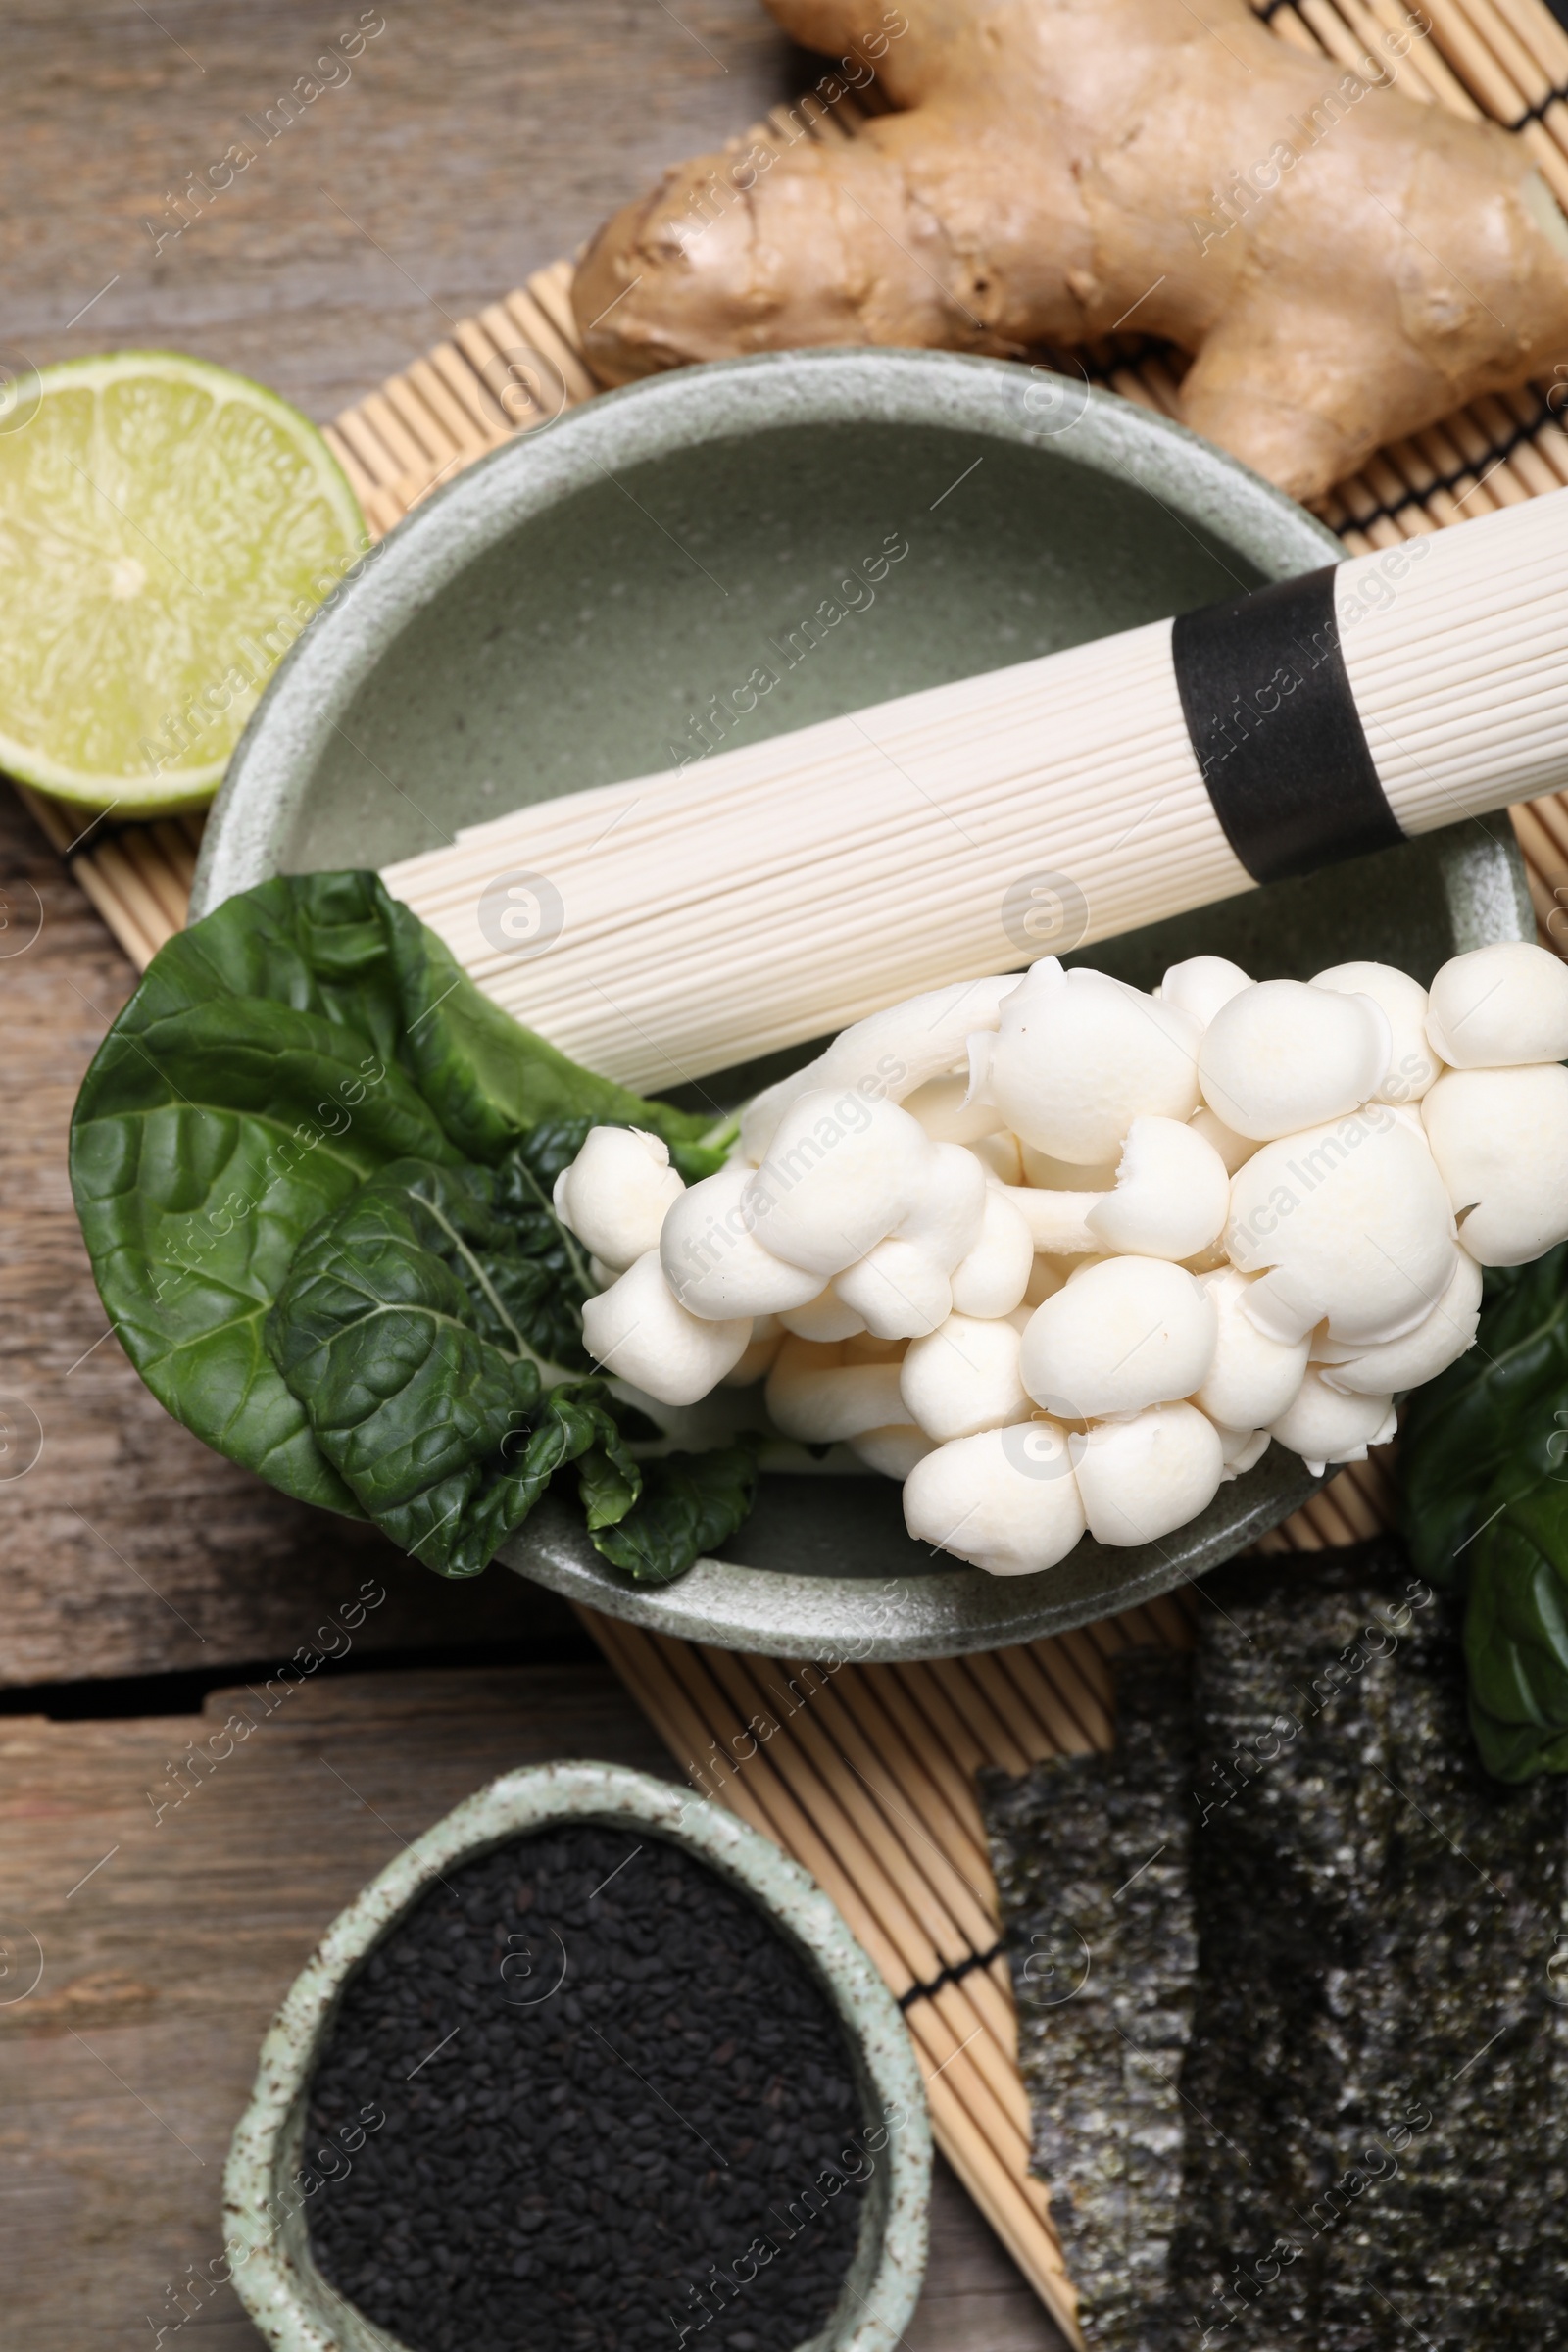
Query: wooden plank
[129,1547]
[121,2076]
[167,1942]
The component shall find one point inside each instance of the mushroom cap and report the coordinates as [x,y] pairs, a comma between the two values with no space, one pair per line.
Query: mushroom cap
[714,1263]
[841,1173]
[1126,1333]
[1413,1064]
[1076,1056]
[1172,1193]
[1434,1344]
[990,1280]
[1251,1378]
[815,1396]
[1242,1447]
[1284,1056]
[899,1290]
[618,1192]
[1499,1006]
[963,1378]
[640,1331]
[1501,1141]
[1324,1425]
[894,1450]
[948,1208]
[824,1319]
[1351,1222]
[1142,1477]
[1201,984]
[1232,1148]
[1006,1500]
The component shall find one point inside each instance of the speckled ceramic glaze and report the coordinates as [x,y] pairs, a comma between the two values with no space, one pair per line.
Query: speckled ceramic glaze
[265,2214]
[553,619]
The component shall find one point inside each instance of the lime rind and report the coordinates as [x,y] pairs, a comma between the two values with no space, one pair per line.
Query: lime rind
[166,528]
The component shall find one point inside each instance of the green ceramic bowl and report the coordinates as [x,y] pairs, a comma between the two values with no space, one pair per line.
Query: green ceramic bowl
[269,2178]
[558,616]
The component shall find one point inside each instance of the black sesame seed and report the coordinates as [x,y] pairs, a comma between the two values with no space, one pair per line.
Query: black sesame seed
[619,2114]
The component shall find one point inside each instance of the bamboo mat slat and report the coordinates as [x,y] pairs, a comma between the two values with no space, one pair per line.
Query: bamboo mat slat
[866,1772]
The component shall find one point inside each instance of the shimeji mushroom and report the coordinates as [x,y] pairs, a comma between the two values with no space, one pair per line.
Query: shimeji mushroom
[1437,1342]
[1076,1056]
[1500,1141]
[1066,1176]
[1201,984]
[1232,1148]
[1122,1333]
[640,1331]
[816,1394]
[1076,1288]
[894,1450]
[889,1054]
[1171,1196]
[991,1279]
[1352,1224]
[1143,1476]
[1241,1449]
[963,1376]
[1251,1378]
[1006,1500]
[1325,1425]
[824,1319]
[714,1263]
[944,1108]
[762,1349]
[1498,1006]
[616,1193]
[1283,1056]
[1413,1064]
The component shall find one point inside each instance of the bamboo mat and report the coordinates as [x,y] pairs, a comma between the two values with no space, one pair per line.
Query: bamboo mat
[865,1773]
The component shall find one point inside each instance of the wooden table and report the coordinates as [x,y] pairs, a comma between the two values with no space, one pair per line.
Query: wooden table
[139,1575]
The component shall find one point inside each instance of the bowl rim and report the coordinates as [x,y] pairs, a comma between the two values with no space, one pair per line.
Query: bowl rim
[268,2260]
[720,1601]
[664,415]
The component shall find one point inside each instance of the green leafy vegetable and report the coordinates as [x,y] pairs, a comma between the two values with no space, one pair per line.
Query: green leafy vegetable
[691,1502]
[313,1169]
[1484,1467]
[1466,1427]
[1516,1637]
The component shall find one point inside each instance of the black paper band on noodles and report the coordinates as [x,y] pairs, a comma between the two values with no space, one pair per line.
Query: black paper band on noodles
[1275,727]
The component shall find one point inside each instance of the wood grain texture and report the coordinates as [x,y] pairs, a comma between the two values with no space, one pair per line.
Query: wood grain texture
[126,1546]
[452,162]
[123,2073]
[471,145]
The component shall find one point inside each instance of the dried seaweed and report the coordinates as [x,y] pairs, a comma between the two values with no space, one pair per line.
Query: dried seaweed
[1091,1855]
[1376,2048]
[1344,2127]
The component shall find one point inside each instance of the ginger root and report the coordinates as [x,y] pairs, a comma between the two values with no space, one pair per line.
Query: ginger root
[1344,264]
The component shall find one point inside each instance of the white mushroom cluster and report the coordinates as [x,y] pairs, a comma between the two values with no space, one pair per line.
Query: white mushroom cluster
[1061,1254]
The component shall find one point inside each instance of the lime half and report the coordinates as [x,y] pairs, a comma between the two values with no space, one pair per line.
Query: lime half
[166,531]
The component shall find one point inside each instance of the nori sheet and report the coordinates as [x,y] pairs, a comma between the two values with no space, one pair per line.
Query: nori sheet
[1091,1854]
[1346,2128]
[1377,2052]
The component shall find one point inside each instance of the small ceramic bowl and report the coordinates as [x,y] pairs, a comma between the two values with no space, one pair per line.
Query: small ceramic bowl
[266,2191]
[554,618]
